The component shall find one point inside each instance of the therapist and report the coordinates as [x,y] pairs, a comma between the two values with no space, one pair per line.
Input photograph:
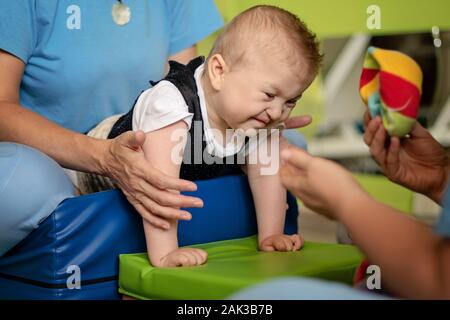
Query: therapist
[64,66]
[414,258]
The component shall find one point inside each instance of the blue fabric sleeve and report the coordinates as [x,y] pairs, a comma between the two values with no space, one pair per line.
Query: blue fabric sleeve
[443,225]
[31,186]
[17,28]
[302,288]
[191,22]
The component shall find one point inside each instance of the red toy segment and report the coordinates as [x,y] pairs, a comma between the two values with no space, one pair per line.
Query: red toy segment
[367,75]
[399,94]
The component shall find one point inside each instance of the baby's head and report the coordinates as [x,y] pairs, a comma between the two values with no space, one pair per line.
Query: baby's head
[259,67]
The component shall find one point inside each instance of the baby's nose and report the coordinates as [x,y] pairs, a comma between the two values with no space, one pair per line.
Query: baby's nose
[274,113]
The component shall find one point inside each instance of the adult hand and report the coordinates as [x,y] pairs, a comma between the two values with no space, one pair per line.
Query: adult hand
[418,162]
[298,122]
[322,185]
[145,187]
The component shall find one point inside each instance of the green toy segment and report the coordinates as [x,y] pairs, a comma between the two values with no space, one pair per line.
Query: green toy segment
[233,265]
[397,124]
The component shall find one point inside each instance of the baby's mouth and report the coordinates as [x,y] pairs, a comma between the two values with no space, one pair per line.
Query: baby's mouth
[264,121]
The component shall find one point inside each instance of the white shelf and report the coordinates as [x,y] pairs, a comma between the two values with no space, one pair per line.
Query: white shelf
[339,147]
[344,106]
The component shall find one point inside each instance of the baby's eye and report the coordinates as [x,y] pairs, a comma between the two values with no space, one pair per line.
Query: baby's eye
[269,95]
[291,104]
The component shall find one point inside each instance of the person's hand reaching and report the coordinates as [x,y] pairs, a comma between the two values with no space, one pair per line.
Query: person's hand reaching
[298,122]
[417,162]
[322,185]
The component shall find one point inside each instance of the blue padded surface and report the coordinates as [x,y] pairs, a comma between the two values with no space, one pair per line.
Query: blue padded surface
[91,231]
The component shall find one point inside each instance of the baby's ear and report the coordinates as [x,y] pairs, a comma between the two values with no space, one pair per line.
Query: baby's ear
[217,69]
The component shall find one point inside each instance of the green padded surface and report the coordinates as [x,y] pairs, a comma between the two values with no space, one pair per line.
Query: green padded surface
[233,265]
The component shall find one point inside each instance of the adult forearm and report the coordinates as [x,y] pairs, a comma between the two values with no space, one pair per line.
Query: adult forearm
[406,250]
[438,194]
[70,149]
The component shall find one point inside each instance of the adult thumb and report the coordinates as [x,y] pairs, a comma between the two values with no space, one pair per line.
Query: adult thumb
[134,140]
[419,131]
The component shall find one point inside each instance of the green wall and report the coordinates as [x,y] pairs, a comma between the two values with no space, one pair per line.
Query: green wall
[331,18]
[342,17]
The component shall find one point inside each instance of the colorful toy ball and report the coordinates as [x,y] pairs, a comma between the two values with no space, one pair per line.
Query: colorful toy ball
[391,87]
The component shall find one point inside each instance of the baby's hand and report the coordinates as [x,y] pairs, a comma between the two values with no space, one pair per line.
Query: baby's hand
[282,242]
[184,257]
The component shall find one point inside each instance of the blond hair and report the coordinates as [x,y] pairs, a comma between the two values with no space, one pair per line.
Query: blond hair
[267,27]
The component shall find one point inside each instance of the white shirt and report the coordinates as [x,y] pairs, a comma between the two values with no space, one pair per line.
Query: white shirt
[164,104]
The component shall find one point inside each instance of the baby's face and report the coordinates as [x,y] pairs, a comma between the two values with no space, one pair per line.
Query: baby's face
[263,92]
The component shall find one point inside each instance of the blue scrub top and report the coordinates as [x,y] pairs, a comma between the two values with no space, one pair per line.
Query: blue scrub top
[81,67]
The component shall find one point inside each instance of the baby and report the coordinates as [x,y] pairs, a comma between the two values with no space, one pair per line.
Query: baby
[256,72]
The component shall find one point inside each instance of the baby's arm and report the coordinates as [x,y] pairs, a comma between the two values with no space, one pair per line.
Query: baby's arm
[269,197]
[162,245]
